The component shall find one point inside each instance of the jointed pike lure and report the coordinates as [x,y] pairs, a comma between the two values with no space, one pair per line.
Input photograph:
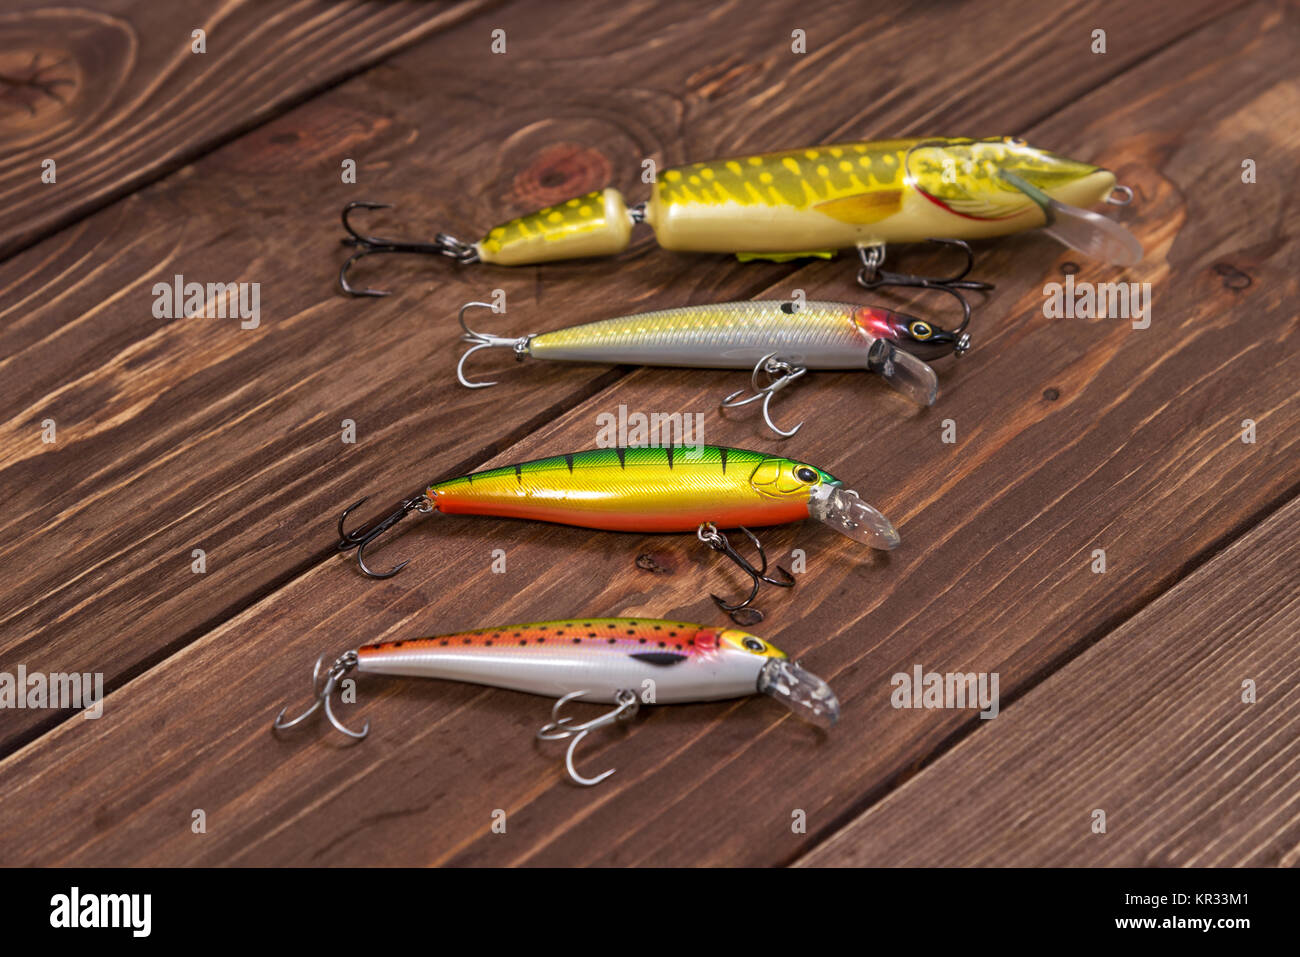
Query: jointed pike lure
[618,661]
[701,489]
[813,202]
[779,340]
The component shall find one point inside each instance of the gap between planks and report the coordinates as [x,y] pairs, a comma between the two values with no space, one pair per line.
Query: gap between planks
[1239,603]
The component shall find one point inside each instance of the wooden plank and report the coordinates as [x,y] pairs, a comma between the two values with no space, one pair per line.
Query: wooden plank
[200,434]
[113,93]
[1149,726]
[993,574]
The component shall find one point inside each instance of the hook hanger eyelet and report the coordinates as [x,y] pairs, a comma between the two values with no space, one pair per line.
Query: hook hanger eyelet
[1120,195]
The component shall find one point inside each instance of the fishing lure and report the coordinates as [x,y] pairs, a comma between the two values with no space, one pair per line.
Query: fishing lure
[690,488]
[616,661]
[814,202]
[781,341]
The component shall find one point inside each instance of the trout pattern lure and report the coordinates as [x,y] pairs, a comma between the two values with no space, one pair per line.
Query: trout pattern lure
[780,341]
[702,489]
[611,661]
[814,202]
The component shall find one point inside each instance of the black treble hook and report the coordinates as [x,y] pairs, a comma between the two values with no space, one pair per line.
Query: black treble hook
[716,540]
[871,276]
[362,537]
[442,245]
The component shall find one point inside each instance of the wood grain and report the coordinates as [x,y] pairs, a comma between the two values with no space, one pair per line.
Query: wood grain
[199,434]
[115,95]
[1072,435]
[1148,726]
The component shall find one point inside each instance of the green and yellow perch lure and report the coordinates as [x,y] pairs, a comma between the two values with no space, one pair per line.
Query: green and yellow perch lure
[814,202]
[688,488]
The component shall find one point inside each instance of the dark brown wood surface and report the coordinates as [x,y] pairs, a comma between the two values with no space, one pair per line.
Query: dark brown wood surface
[117,92]
[1072,435]
[1180,727]
[264,407]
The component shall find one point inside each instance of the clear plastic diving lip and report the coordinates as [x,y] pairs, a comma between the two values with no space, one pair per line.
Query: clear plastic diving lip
[1089,232]
[801,691]
[844,511]
[904,371]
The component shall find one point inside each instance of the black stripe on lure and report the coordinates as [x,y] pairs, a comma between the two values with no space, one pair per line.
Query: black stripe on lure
[703,489]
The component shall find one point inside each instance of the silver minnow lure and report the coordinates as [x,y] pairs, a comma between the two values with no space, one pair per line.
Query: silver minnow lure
[780,341]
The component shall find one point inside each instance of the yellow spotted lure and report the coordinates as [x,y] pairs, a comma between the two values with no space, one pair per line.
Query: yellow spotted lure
[781,341]
[815,202]
[614,661]
[702,489]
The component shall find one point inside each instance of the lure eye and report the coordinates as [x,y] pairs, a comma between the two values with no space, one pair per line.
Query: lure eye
[1015,141]
[921,331]
[753,644]
[805,474]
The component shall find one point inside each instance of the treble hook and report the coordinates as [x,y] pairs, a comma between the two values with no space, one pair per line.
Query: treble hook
[485,340]
[780,374]
[559,728]
[342,665]
[871,276]
[442,245]
[362,537]
[708,533]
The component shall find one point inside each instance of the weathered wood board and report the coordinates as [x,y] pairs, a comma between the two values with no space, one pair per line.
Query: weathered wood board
[1071,435]
[177,435]
[1180,727]
[116,93]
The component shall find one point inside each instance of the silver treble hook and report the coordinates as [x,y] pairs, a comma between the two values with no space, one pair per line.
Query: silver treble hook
[342,665]
[559,728]
[780,374]
[483,340]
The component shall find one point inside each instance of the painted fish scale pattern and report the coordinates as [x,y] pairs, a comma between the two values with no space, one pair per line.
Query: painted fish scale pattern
[581,214]
[712,327]
[964,174]
[799,178]
[573,636]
